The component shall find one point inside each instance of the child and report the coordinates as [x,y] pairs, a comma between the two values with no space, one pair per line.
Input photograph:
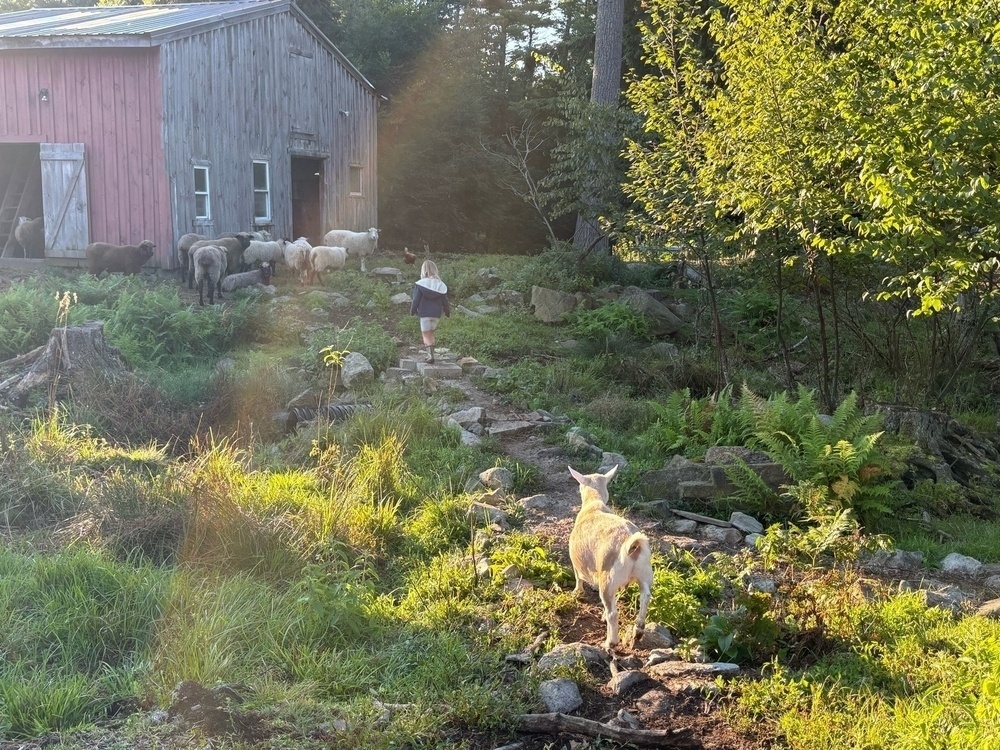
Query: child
[430,300]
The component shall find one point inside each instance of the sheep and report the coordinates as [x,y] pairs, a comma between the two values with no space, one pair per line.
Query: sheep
[209,262]
[263,236]
[184,251]
[323,258]
[125,259]
[261,251]
[30,233]
[235,281]
[233,248]
[297,257]
[361,244]
[609,552]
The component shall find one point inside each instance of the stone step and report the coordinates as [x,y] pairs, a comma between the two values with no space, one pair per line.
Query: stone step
[443,370]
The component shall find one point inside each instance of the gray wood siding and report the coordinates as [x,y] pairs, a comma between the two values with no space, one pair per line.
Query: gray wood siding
[265,88]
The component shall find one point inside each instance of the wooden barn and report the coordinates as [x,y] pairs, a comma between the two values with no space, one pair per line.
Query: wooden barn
[124,123]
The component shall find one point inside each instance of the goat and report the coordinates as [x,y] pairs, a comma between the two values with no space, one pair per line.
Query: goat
[609,552]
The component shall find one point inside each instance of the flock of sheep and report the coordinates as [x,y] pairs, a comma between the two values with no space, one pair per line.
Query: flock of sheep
[239,259]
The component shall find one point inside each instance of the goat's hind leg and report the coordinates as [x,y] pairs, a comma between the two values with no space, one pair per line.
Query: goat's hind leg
[640,620]
[610,615]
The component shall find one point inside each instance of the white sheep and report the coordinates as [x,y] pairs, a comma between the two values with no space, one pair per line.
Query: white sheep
[263,251]
[209,262]
[323,258]
[245,279]
[297,257]
[361,244]
[609,552]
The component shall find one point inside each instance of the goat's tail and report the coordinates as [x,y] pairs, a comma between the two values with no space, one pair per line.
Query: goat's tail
[636,545]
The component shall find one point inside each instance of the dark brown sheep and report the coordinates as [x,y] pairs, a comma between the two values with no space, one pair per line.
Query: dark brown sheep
[233,247]
[126,259]
[30,233]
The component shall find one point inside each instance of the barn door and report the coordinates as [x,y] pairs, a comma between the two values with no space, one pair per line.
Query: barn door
[64,200]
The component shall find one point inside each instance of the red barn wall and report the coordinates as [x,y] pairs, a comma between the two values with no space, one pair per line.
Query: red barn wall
[110,100]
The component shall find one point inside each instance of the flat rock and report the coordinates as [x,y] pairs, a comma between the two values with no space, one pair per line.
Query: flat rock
[990,609]
[702,519]
[961,564]
[746,524]
[671,669]
[657,636]
[570,655]
[508,428]
[623,682]
[443,370]
[721,535]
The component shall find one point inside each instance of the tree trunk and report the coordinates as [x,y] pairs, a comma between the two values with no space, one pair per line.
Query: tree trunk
[605,90]
[70,354]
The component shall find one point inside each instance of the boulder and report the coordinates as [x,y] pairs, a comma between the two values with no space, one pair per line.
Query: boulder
[356,371]
[662,322]
[551,305]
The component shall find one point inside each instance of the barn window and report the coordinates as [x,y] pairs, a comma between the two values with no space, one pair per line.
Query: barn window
[355,179]
[202,201]
[261,191]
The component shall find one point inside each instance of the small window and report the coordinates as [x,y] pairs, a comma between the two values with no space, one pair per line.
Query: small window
[355,177]
[202,200]
[261,192]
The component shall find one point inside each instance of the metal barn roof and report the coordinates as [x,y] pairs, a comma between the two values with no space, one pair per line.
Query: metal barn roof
[142,25]
[124,20]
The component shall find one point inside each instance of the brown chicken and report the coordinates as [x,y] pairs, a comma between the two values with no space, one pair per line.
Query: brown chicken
[408,257]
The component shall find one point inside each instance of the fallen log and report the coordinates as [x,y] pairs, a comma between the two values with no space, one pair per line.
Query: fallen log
[554,723]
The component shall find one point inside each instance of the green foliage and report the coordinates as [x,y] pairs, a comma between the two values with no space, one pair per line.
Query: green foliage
[689,425]
[838,456]
[359,336]
[833,533]
[917,673]
[184,334]
[553,386]
[78,623]
[27,317]
[438,524]
[554,268]
[509,336]
[607,321]
[532,560]
[681,587]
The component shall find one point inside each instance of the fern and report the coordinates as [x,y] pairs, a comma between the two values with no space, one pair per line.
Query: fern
[752,492]
[839,454]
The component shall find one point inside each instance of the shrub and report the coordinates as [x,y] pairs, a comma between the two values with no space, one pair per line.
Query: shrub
[27,317]
[614,319]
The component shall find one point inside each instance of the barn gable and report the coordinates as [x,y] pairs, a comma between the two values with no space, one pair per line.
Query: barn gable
[207,117]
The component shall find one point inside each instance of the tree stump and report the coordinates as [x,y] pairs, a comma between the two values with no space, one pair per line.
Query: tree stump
[71,354]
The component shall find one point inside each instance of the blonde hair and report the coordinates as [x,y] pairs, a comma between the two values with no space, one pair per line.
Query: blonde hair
[429,270]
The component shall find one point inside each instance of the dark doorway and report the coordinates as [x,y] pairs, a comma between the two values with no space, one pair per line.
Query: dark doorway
[20,195]
[307,194]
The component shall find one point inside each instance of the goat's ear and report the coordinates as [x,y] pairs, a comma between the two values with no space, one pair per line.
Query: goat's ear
[610,474]
[577,475]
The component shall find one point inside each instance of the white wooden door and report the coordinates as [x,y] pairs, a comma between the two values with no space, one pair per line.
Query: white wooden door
[64,200]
